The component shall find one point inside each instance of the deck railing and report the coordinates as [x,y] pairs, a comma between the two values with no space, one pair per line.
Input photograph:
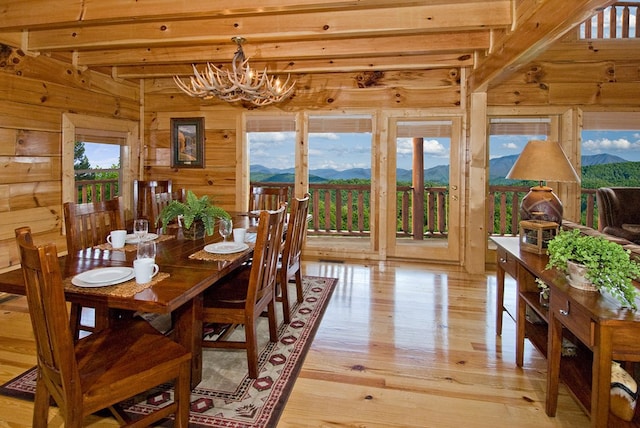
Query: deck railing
[353,202]
[621,20]
[96,190]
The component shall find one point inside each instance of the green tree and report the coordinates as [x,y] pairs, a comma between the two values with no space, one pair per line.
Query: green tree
[81,161]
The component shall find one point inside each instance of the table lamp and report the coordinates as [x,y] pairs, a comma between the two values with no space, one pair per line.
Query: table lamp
[543,161]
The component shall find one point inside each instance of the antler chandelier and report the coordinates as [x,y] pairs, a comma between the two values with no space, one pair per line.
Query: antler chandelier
[240,84]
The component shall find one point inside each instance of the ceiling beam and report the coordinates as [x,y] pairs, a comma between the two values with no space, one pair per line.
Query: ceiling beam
[340,65]
[548,21]
[300,26]
[326,49]
[70,13]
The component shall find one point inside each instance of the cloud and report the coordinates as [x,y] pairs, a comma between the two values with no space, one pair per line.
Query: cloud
[404,147]
[605,144]
[510,146]
[324,136]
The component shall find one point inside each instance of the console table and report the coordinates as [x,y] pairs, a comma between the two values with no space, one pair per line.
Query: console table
[594,322]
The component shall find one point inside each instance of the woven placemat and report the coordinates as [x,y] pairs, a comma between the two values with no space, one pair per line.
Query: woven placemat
[131,247]
[126,289]
[203,255]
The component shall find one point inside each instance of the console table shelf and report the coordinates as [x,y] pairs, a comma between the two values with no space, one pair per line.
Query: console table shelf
[599,329]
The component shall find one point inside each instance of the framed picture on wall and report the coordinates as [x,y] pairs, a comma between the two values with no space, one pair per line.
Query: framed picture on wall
[187,142]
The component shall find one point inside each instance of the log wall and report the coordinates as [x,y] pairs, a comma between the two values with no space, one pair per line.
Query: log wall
[35,92]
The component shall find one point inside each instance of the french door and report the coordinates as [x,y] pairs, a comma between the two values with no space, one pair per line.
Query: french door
[424,182]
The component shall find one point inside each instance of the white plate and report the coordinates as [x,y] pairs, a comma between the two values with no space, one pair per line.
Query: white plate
[103,277]
[133,239]
[225,247]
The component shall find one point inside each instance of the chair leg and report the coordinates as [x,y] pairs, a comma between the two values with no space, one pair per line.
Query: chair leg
[299,290]
[41,404]
[284,297]
[182,395]
[74,320]
[251,339]
[273,323]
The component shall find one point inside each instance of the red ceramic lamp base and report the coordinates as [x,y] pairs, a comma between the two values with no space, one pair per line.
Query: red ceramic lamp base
[541,204]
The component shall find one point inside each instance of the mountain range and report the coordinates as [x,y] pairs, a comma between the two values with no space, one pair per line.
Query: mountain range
[498,169]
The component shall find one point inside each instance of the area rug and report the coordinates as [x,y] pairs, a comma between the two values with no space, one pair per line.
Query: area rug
[226,397]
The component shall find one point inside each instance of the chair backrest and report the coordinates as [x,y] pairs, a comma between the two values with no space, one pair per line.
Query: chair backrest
[267,198]
[262,279]
[160,202]
[89,224]
[143,191]
[296,233]
[617,206]
[49,318]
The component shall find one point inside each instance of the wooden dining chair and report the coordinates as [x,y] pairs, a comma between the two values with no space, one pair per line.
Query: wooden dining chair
[88,225]
[289,266]
[143,191]
[240,297]
[267,198]
[158,202]
[103,369]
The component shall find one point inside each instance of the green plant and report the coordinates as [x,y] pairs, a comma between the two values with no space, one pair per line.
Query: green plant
[193,209]
[609,266]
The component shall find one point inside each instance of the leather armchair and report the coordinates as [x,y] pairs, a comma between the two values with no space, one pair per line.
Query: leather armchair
[619,212]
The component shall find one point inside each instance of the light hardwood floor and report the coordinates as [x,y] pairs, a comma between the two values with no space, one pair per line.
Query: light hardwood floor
[400,345]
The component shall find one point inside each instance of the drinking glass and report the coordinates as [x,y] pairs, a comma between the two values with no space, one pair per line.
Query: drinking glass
[146,250]
[226,227]
[140,229]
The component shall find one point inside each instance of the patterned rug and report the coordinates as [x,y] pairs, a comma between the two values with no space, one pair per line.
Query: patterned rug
[226,397]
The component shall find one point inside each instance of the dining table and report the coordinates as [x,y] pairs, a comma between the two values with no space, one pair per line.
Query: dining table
[186,270]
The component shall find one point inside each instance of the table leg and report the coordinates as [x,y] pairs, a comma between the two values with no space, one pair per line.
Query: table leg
[188,332]
[601,378]
[554,354]
[499,298]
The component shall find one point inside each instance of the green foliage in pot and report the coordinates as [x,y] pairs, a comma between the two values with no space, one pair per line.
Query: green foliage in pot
[609,266]
[193,209]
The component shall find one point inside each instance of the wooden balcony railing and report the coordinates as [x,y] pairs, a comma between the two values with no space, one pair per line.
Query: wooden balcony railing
[621,18]
[353,202]
[96,190]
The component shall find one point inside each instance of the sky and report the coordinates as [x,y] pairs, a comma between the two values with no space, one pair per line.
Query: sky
[345,151]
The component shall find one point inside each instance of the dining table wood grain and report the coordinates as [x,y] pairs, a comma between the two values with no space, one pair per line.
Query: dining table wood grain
[179,295]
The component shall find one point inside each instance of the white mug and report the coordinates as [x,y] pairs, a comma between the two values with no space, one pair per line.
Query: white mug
[116,238]
[239,234]
[145,269]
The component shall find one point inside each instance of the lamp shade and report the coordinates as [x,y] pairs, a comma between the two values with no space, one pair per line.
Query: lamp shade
[542,161]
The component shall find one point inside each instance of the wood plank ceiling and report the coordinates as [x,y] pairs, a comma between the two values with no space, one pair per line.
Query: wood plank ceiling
[161,38]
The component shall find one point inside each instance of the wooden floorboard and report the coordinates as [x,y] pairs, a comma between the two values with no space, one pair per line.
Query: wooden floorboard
[400,345]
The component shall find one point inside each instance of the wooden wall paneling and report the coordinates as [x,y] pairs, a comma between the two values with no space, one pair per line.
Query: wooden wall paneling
[29,169]
[4,197]
[41,219]
[574,93]
[619,93]
[25,116]
[37,194]
[37,143]
[547,72]
[55,96]
[19,63]
[7,142]
[517,94]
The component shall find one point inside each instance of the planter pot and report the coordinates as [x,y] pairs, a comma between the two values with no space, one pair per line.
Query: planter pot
[578,277]
[196,231]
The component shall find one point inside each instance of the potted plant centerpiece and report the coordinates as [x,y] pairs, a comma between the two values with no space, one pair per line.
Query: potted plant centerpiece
[605,265]
[198,215]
